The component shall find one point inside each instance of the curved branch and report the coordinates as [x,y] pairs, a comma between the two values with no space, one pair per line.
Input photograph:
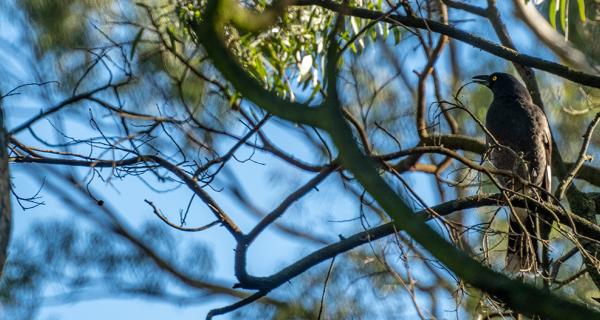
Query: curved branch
[266,284]
[466,37]
[188,180]
[243,244]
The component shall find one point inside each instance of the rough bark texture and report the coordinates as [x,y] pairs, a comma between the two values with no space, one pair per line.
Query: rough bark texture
[5,212]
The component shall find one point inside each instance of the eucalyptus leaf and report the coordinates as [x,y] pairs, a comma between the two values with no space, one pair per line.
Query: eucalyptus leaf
[552,8]
[563,15]
[581,7]
[135,42]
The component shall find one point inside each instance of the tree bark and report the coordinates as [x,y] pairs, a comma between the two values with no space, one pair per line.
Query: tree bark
[5,212]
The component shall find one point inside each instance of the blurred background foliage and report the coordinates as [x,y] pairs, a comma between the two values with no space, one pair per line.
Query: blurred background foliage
[80,45]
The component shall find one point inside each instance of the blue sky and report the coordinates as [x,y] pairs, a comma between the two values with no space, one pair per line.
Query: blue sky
[130,203]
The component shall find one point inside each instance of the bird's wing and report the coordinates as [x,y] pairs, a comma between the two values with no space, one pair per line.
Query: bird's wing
[547,141]
[548,148]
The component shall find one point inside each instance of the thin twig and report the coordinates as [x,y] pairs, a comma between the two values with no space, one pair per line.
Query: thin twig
[583,157]
[325,288]
[181,228]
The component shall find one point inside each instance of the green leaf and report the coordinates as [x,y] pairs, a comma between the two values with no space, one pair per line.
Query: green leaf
[563,15]
[314,93]
[552,13]
[397,35]
[306,82]
[135,42]
[581,7]
[233,99]
[353,48]
[171,34]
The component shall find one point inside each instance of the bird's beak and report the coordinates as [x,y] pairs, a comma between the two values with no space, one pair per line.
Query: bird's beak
[482,79]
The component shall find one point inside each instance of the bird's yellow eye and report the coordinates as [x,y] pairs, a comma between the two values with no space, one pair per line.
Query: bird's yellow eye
[494,78]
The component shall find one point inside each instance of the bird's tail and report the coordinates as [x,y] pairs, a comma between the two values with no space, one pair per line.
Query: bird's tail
[522,254]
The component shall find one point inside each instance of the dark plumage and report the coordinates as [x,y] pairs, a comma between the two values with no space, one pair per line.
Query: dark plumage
[521,129]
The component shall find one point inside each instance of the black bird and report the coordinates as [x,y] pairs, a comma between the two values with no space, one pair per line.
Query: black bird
[524,147]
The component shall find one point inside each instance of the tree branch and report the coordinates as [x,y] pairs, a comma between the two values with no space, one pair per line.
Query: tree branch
[583,157]
[549,36]
[466,37]
[64,103]
[267,284]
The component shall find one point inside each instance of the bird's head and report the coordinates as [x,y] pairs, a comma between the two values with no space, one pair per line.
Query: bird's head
[503,85]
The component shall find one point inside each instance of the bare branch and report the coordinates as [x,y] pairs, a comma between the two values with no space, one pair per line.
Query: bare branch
[583,157]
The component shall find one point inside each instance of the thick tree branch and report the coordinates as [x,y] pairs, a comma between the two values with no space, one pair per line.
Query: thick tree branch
[482,12]
[253,90]
[246,301]
[514,293]
[266,284]
[466,37]
[244,243]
